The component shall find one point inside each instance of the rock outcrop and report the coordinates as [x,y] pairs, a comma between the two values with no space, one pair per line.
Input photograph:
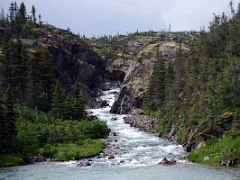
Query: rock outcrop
[137,76]
[141,122]
[72,59]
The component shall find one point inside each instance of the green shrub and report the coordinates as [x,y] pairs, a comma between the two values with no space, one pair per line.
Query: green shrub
[11,160]
[36,129]
[70,151]
[227,148]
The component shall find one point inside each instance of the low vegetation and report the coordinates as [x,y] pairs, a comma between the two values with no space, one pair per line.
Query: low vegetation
[37,110]
[217,151]
[11,160]
[37,129]
[81,149]
[198,93]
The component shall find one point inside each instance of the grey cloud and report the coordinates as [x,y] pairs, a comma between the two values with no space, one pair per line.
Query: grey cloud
[111,16]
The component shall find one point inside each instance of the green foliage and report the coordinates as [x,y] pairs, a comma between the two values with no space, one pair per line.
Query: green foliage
[28,74]
[7,127]
[63,152]
[153,114]
[67,107]
[227,148]
[193,91]
[11,160]
[155,94]
[35,129]
[58,101]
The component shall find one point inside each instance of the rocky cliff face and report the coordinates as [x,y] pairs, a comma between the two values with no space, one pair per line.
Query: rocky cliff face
[73,60]
[133,56]
[138,73]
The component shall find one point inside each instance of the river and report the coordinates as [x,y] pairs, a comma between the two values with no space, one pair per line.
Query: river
[131,154]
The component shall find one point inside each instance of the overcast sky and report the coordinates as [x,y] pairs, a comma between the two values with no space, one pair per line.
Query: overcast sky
[98,17]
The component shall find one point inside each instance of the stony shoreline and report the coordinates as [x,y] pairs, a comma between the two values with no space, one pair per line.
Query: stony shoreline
[142,122]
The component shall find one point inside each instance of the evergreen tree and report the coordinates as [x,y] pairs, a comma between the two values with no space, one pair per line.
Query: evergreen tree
[79,104]
[7,125]
[11,13]
[33,11]
[3,140]
[58,101]
[22,14]
[155,94]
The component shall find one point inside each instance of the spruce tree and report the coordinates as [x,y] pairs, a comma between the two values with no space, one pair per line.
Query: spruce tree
[58,101]
[155,94]
[3,140]
[79,104]
[22,14]
[33,11]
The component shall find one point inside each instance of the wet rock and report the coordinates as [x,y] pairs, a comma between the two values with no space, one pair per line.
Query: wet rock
[38,158]
[165,161]
[114,119]
[114,134]
[120,162]
[230,162]
[226,163]
[190,146]
[84,163]
[111,156]
[104,104]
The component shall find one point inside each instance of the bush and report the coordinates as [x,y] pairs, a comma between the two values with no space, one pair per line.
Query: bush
[11,160]
[70,151]
[36,129]
[227,148]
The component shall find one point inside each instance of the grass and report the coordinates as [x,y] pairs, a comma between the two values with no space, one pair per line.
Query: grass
[11,160]
[226,148]
[71,151]
[153,114]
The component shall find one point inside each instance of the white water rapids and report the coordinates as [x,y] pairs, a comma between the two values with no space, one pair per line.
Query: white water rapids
[130,146]
[136,156]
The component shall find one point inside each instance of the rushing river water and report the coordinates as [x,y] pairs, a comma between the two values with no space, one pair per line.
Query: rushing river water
[131,155]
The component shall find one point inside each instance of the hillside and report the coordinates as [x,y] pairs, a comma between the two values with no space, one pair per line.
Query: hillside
[188,82]
[47,78]
[134,57]
[69,59]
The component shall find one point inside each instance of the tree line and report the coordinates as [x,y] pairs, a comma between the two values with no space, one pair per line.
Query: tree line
[197,90]
[29,79]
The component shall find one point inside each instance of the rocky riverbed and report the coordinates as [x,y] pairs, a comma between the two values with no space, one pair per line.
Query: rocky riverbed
[142,122]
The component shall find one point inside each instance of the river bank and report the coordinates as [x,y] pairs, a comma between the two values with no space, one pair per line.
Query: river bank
[216,152]
[134,154]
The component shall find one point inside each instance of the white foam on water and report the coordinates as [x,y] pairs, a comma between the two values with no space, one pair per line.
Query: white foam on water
[139,148]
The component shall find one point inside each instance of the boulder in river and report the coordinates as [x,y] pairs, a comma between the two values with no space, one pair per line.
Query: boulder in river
[111,156]
[104,104]
[165,161]
[84,163]
[114,119]
[38,158]
[114,134]
[230,162]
